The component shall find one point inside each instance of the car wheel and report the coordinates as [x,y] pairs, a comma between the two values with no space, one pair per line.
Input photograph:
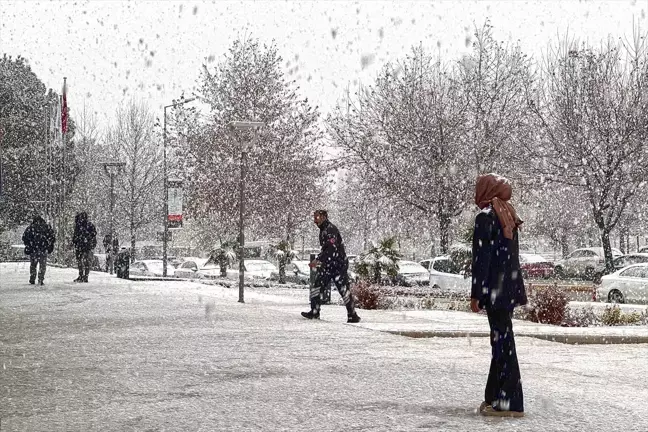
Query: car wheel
[615,296]
[436,287]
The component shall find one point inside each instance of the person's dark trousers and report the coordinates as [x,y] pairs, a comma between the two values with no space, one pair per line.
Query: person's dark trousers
[340,277]
[504,385]
[37,259]
[84,260]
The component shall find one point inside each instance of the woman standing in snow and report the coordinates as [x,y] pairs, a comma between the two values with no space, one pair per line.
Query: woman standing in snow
[497,286]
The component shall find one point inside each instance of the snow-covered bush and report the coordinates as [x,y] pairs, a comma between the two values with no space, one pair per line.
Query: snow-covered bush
[547,306]
[367,296]
[613,317]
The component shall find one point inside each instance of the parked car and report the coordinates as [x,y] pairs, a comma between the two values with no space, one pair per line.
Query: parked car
[643,249]
[447,276]
[585,263]
[297,272]
[535,266]
[149,268]
[628,285]
[411,273]
[254,269]
[189,268]
[427,263]
[11,253]
[630,259]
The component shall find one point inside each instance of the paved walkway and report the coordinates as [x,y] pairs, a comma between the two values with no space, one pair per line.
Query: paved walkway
[116,355]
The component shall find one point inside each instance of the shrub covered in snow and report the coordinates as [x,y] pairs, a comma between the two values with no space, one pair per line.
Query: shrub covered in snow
[613,317]
[580,317]
[367,296]
[547,306]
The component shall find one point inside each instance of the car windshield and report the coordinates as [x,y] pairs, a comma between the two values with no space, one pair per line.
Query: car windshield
[411,267]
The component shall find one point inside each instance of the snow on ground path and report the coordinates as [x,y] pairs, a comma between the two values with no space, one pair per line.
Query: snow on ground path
[116,355]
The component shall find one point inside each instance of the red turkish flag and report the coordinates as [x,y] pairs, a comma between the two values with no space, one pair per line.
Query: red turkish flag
[64,109]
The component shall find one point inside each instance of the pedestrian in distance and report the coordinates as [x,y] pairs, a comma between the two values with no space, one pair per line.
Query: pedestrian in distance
[84,240]
[497,287]
[39,241]
[332,265]
[111,246]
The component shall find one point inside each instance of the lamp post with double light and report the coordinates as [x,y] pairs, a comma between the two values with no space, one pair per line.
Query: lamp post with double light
[245,144]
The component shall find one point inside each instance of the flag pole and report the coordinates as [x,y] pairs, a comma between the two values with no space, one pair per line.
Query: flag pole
[64,126]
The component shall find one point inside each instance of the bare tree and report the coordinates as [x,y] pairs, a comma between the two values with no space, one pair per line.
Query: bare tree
[132,139]
[284,176]
[90,184]
[494,77]
[407,133]
[589,114]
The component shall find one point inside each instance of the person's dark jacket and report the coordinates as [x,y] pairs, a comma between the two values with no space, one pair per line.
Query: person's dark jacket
[496,278]
[85,234]
[333,254]
[39,237]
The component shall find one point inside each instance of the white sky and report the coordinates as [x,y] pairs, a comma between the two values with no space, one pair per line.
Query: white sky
[112,51]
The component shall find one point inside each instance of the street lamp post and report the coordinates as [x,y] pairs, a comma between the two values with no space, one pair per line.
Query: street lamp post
[166,187]
[243,125]
[112,169]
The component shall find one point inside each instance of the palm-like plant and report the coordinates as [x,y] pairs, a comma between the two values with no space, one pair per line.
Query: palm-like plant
[284,254]
[225,255]
[381,257]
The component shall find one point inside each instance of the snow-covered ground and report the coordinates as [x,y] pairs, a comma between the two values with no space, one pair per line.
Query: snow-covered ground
[115,355]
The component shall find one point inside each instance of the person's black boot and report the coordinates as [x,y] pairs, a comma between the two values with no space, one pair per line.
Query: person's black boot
[79,279]
[353,318]
[311,315]
[41,283]
[32,281]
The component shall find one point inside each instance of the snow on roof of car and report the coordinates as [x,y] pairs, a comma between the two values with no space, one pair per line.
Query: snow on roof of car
[532,258]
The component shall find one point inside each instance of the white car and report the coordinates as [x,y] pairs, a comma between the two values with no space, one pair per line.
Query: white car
[445,276]
[584,262]
[149,268]
[411,273]
[189,268]
[297,272]
[628,285]
[254,270]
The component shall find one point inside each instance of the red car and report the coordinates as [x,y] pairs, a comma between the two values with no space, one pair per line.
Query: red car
[535,266]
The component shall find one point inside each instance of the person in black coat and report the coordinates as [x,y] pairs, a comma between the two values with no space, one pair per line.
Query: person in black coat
[332,265]
[84,240]
[497,286]
[39,241]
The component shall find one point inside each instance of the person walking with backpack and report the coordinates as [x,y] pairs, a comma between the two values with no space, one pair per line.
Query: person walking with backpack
[497,286]
[84,240]
[39,241]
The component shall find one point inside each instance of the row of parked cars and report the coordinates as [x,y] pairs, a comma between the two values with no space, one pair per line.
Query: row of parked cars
[627,283]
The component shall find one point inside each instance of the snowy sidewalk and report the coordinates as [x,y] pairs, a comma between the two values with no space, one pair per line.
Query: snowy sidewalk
[115,355]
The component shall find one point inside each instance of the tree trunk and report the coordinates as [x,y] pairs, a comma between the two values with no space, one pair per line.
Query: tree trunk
[607,249]
[622,243]
[444,232]
[564,245]
[132,236]
[282,271]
